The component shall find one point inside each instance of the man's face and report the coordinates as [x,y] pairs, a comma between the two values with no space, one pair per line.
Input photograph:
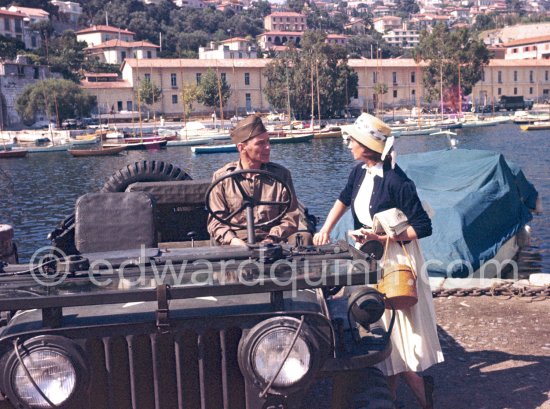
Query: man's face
[256,150]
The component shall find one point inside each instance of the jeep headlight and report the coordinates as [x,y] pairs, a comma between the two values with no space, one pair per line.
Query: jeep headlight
[268,353]
[52,373]
[45,370]
[269,346]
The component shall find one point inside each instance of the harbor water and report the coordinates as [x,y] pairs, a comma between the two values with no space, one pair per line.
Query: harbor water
[39,191]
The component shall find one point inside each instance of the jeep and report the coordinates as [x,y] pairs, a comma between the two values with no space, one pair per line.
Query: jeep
[133,307]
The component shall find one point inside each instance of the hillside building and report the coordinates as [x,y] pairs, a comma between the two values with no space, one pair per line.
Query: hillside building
[99,34]
[69,11]
[115,51]
[285,21]
[236,47]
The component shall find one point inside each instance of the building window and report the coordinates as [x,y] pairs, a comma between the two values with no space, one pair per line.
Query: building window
[246,78]
[515,76]
[198,77]
[119,105]
[173,80]
[223,77]
[395,93]
[122,55]
[413,77]
[499,91]
[17,26]
[149,55]
[248,102]
[531,76]
[545,75]
[531,90]
[499,77]
[174,99]
[129,106]
[240,55]
[147,77]
[374,77]
[7,24]
[483,75]
[394,77]
[515,91]
[33,41]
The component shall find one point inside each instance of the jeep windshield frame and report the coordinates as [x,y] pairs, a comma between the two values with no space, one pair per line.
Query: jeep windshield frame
[134,279]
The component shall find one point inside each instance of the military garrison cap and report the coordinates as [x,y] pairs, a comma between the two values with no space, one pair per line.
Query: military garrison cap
[248,128]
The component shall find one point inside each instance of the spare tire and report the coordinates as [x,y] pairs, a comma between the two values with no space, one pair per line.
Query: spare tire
[144,171]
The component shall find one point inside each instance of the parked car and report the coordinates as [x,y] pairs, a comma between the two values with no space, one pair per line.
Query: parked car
[514,103]
[113,319]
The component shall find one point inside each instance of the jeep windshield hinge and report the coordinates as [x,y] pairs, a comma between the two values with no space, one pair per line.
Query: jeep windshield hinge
[163,312]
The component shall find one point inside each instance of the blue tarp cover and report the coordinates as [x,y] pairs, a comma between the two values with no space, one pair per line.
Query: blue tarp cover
[480,201]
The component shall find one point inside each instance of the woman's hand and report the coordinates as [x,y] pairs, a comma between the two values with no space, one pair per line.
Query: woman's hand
[370,235]
[323,237]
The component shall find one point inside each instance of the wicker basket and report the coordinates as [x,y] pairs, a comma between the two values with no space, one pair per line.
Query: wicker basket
[398,283]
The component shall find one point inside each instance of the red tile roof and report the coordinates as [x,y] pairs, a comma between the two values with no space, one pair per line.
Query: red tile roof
[285,14]
[526,41]
[11,13]
[283,33]
[106,29]
[119,43]
[234,39]
[105,84]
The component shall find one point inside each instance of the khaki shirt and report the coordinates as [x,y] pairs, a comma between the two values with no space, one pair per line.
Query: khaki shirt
[227,198]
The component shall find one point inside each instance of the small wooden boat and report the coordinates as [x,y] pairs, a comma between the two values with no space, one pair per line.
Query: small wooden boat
[102,151]
[136,139]
[230,147]
[90,140]
[13,153]
[152,145]
[190,142]
[292,139]
[536,126]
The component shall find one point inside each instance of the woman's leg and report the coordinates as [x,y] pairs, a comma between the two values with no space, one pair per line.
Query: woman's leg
[416,383]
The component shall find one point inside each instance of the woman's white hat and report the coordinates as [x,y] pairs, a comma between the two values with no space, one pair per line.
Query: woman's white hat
[370,132]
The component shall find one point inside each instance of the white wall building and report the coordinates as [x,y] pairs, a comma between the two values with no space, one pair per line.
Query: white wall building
[228,49]
[99,34]
[70,10]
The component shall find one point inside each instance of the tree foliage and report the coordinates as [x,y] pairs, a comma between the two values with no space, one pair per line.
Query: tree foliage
[445,51]
[57,98]
[210,88]
[189,94]
[289,77]
[148,92]
[10,47]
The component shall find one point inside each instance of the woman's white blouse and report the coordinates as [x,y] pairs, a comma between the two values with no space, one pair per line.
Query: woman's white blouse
[362,200]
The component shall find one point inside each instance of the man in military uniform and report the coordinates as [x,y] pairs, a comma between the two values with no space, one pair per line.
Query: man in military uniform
[252,142]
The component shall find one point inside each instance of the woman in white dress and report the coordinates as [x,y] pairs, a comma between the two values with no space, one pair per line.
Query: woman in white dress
[374,185]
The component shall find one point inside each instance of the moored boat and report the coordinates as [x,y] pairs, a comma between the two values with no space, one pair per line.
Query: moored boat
[231,147]
[536,126]
[455,184]
[13,153]
[102,151]
[153,145]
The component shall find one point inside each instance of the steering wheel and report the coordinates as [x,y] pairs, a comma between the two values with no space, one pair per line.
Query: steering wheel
[249,202]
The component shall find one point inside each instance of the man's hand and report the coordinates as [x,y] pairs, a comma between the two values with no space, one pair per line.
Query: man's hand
[235,241]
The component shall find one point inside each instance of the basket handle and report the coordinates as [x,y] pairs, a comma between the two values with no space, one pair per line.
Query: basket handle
[408,258]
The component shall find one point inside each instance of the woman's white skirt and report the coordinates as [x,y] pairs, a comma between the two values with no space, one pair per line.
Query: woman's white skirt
[415,344]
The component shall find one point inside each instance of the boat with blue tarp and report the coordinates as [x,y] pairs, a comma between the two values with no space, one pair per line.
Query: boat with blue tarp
[481,205]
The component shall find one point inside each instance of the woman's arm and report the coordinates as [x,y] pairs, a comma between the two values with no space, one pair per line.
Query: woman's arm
[407,235]
[323,237]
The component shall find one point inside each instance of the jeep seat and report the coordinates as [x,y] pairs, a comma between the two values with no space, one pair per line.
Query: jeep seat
[179,208]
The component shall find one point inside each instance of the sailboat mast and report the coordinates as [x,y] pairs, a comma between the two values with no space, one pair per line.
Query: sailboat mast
[220,95]
[318,93]
[312,98]
[139,98]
